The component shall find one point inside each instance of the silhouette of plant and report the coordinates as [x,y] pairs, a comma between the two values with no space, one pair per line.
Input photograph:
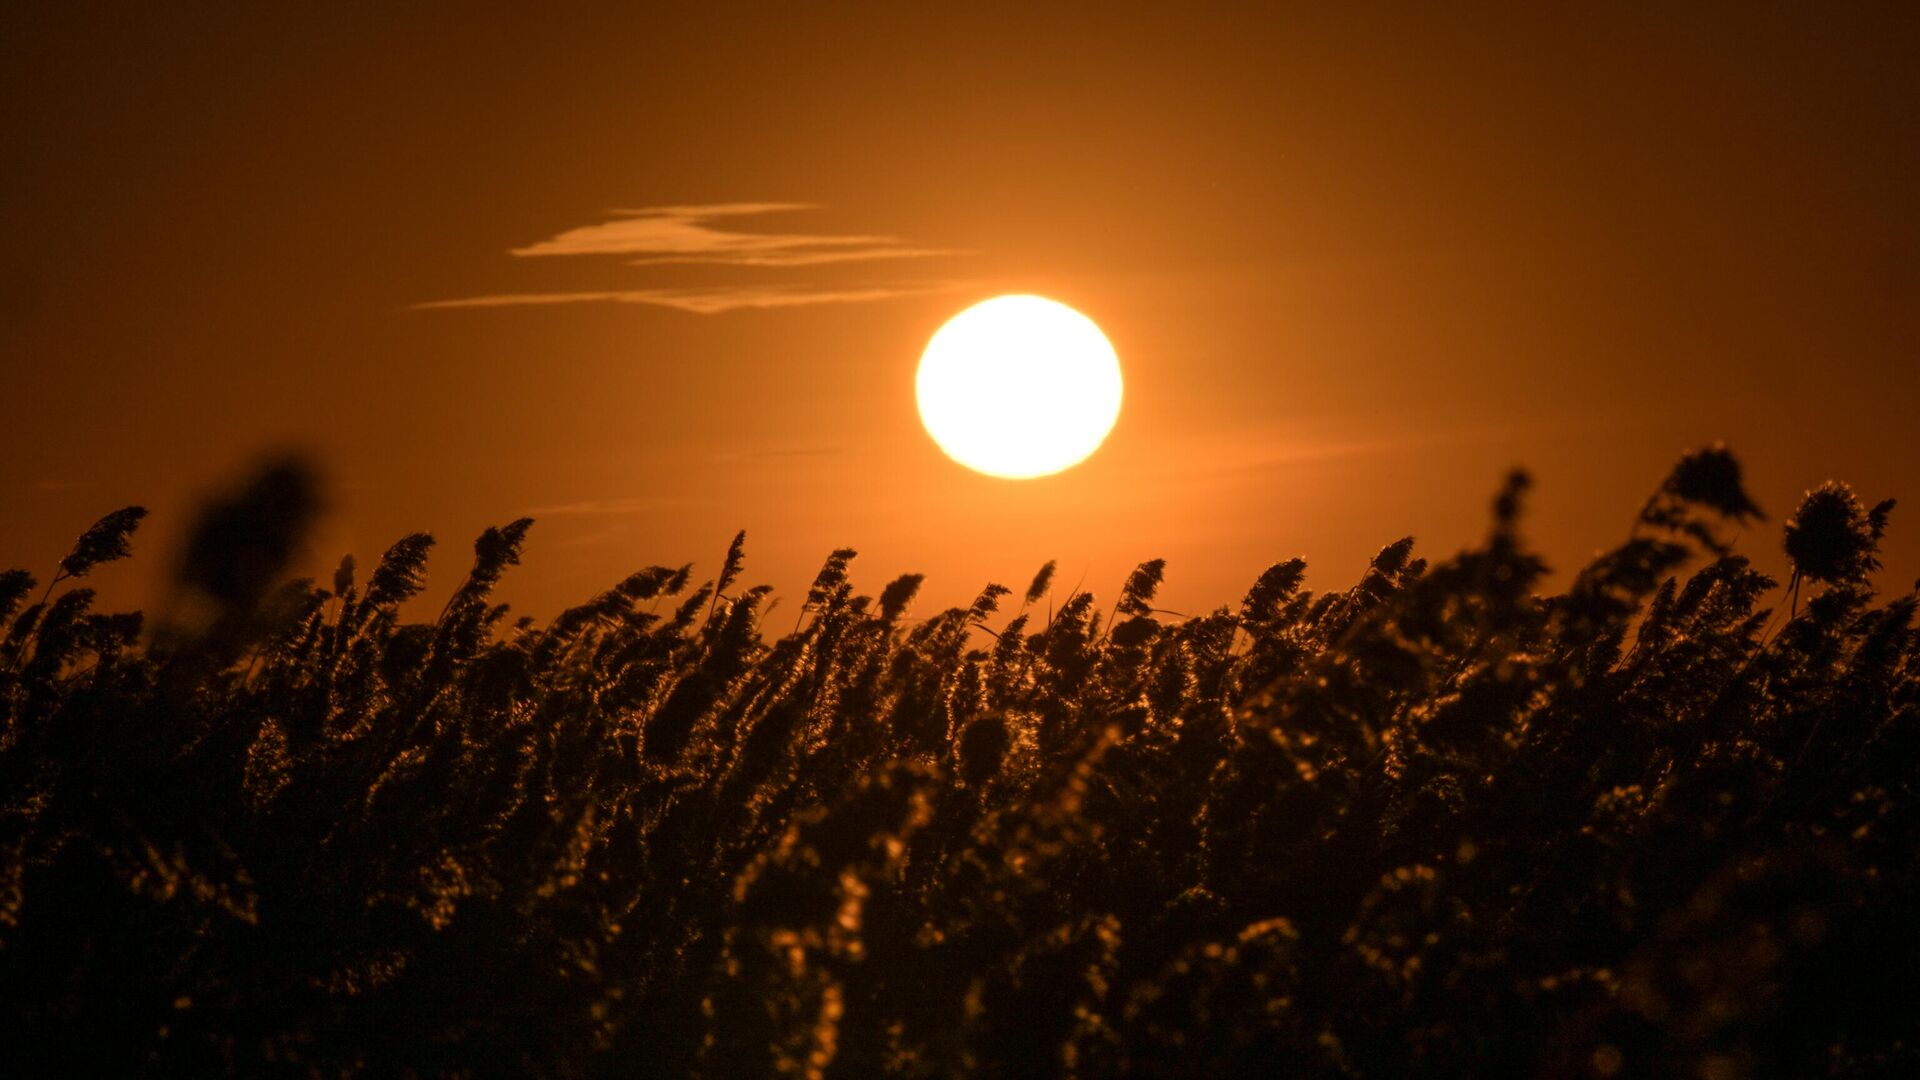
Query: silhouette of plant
[1433,823]
[1831,538]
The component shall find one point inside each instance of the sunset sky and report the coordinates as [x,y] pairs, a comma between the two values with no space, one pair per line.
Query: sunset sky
[654,277]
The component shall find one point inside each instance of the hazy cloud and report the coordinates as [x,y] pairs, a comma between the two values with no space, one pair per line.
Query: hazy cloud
[681,235]
[798,258]
[708,300]
[688,234]
[775,453]
[595,507]
[594,538]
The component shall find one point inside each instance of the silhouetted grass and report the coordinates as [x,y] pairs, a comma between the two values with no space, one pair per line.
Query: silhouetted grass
[1434,823]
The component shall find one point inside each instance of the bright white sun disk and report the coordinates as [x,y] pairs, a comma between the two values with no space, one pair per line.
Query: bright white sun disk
[1018,387]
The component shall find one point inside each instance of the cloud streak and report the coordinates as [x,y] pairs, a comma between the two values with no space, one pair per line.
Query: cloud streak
[705,301]
[705,235]
[596,507]
[692,234]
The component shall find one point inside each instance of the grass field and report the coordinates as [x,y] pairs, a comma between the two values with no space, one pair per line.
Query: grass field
[1661,824]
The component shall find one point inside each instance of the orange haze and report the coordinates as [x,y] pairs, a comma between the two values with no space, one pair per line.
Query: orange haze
[1354,266]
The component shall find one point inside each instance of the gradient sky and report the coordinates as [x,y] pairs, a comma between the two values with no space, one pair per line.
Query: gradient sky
[1355,267]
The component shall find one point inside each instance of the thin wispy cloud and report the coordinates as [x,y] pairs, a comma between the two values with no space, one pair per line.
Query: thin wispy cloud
[706,301]
[706,235]
[778,453]
[598,507]
[690,234]
[799,258]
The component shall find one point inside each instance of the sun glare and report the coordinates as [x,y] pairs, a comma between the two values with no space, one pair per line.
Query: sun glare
[1019,387]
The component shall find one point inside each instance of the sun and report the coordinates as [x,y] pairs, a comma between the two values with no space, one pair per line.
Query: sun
[1019,387]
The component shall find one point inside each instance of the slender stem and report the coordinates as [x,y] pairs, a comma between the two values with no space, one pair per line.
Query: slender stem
[1107,630]
[1767,631]
[33,635]
[714,603]
[58,577]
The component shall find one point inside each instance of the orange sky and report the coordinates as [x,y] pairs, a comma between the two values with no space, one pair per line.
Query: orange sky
[1355,267]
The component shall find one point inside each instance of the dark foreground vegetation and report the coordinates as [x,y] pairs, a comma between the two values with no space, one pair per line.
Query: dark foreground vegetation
[1663,824]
